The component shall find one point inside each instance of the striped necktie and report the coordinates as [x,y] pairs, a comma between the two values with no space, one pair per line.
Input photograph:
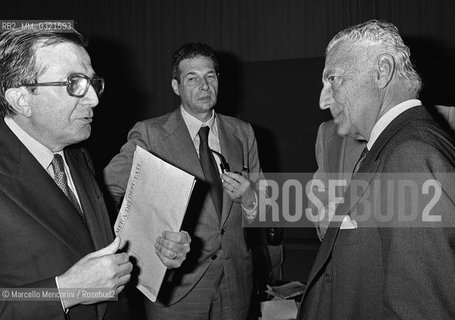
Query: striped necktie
[363,155]
[62,182]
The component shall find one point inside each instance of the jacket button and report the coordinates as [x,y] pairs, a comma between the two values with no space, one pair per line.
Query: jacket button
[214,257]
[222,231]
[328,277]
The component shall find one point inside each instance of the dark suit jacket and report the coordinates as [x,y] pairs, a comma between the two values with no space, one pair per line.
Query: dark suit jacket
[336,157]
[168,137]
[41,234]
[391,269]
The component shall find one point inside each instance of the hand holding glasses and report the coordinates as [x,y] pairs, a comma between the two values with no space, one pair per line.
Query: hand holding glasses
[77,85]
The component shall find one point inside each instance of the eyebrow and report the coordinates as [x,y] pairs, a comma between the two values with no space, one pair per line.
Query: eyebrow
[326,74]
[196,73]
[88,75]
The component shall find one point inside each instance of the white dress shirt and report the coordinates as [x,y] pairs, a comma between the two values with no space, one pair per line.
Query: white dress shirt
[388,117]
[193,124]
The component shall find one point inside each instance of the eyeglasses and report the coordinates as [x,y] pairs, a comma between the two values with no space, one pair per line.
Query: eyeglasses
[77,85]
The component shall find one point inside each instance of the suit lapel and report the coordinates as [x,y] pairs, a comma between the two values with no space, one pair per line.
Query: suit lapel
[39,196]
[366,173]
[231,148]
[177,147]
[90,198]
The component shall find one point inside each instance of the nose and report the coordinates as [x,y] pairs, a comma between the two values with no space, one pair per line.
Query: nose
[325,99]
[204,83]
[90,98]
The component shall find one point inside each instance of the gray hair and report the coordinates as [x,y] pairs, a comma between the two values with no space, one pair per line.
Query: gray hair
[384,34]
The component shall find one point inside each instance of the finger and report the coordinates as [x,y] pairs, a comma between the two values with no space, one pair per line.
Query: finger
[230,178]
[110,249]
[169,263]
[235,176]
[187,236]
[120,258]
[172,245]
[178,237]
[123,280]
[119,289]
[177,250]
[168,252]
[124,269]
[227,186]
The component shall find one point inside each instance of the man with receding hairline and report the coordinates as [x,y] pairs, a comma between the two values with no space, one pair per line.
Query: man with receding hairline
[55,234]
[215,282]
[369,267]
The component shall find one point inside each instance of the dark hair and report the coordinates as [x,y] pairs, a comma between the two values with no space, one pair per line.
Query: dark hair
[18,61]
[191,50]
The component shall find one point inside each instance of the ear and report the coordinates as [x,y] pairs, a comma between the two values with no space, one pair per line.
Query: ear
[175,86]
[386,69]
[18,100]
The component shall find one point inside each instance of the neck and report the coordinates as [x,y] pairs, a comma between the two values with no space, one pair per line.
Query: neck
[27,126]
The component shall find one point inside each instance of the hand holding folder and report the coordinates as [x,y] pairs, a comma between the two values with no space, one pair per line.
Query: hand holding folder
[155,201]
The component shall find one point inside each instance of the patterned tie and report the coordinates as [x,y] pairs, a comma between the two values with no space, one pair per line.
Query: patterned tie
[208,163]
[62,183]
[363,155]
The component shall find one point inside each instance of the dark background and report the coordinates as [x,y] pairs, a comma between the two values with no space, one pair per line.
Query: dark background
[271,54]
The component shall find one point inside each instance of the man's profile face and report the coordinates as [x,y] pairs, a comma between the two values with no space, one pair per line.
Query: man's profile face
[58,119]
[198,87]
[349,91]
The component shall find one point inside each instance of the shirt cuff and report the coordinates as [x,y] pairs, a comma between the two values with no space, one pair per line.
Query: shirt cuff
[251,213]
[61,301]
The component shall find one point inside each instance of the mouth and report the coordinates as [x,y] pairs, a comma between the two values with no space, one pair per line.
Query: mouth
[86,119]
[205,98]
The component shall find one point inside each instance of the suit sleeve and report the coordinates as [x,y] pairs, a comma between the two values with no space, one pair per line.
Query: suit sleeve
[28,308]
[419,259]
[117,172]
[253,156]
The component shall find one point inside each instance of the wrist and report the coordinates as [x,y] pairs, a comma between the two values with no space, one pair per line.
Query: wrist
[249,200]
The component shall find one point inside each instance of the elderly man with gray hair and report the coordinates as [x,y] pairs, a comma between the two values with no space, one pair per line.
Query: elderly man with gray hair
[384,256]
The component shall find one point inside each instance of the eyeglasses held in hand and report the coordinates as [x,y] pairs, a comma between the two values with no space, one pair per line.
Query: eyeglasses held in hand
[77,85]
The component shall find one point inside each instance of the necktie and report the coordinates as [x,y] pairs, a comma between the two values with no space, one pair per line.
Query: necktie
[208,163]
[363,155]
[62,182]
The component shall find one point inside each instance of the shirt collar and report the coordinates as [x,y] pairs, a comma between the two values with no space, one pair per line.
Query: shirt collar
[388,117]
[193,124]
[42,154]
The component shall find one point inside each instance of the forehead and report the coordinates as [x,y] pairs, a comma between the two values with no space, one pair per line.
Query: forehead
[61,60]
[343,56]
[196,64]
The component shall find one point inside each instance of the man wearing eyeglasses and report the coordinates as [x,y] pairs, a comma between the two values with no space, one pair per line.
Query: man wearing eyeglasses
[215,282]
[58,255]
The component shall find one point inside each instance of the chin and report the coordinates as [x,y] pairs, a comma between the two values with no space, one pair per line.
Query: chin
[342,131]
[83,134]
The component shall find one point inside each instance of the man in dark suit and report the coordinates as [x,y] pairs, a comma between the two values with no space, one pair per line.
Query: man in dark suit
[55,235]
[375,261]
[215,282]
[336,156]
